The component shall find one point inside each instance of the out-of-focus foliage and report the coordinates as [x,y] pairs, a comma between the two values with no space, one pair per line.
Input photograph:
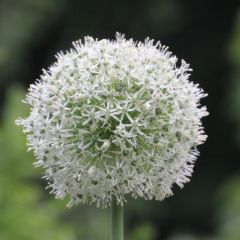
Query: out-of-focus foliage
[234,44]
[184,237]
[144,232]
[22,23]
[228,209]
[229,197]
[234,93]
[227,214]
[25,214]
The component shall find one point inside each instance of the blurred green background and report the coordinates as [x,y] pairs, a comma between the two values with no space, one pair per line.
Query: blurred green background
[204,33]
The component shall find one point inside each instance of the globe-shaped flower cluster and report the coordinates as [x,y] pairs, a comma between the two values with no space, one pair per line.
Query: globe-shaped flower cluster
[115,118]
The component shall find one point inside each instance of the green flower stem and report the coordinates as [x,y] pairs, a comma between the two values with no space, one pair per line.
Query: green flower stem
[117,221]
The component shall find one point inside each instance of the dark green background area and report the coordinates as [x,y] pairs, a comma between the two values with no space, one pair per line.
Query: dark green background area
[206,34]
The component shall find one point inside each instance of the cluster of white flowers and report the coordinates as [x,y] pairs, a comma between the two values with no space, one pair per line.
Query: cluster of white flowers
[112,118]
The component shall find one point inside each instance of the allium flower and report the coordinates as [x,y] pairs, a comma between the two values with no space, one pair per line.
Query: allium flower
[112,118]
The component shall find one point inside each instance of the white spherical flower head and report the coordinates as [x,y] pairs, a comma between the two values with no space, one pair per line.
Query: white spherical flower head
[112,118]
